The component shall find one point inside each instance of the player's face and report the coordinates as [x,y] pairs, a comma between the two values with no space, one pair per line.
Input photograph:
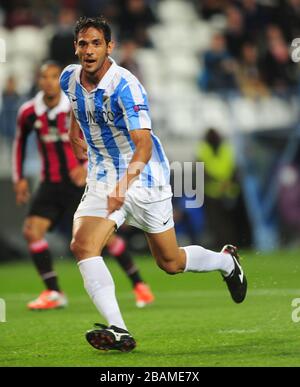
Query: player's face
[92,49]
[49,80]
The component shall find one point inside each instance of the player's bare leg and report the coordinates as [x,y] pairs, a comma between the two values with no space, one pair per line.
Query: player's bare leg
[174,259]
[116,246]
[90,235]
[34,230]
[164,248]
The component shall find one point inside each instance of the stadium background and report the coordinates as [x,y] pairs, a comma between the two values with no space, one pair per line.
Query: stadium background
[248,90]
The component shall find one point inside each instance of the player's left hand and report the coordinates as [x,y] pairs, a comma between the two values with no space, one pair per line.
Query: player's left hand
[78,175]
[22,191]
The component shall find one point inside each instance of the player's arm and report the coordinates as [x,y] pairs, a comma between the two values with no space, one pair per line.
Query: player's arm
[133,102]
[78,144]
[21,186]
[143,151]
[79,173]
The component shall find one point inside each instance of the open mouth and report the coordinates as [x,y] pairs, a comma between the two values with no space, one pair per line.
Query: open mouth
[90,61]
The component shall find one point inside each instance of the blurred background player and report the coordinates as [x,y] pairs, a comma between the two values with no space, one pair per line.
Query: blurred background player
[224,206]
[61,188]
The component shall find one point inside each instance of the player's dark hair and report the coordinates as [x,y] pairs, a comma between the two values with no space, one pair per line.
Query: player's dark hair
[96,22]
[50,62]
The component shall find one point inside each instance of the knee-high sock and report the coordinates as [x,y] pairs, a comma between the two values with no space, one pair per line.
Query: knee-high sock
[118,251]
[199,259]
[100,286]
[43,262]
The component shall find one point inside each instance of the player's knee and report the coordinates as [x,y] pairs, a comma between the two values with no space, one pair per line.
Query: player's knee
[170,267]
[81,249]
[27,234]
[31,235]
[77,248]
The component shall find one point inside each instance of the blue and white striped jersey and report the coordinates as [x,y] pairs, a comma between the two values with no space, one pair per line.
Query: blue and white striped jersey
[106,115]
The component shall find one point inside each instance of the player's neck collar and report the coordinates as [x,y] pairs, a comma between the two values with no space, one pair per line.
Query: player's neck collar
[108,76]
[40,106]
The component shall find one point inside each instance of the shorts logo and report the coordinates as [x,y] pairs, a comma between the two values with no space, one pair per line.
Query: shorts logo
[137,108]
[164,223]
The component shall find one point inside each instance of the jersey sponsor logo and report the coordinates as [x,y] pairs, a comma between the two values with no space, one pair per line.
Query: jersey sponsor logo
[99,117]
[53,137]
[137,108]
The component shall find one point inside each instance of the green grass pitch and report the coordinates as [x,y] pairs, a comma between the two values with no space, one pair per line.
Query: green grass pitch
[193,321]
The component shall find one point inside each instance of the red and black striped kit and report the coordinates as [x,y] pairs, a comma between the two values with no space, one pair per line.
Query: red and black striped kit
[51,128]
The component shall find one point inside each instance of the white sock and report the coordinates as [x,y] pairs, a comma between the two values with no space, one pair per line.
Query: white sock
[100,286]
[199,259]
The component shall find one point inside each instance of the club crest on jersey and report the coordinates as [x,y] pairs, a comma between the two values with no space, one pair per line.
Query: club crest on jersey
[38,124]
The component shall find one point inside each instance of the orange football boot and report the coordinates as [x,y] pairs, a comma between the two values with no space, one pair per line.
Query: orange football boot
[143,295]
[48,299]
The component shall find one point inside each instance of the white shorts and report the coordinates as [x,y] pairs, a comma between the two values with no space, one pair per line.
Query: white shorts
[149,209]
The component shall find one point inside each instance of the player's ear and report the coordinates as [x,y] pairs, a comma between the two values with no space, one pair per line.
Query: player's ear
[110,47]
[75,47]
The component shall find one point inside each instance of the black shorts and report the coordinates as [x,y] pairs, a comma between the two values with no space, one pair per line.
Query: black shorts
[56,201]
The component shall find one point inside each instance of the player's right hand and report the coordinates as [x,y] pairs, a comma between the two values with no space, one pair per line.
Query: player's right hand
[79,147]
[22,191]
[78,175]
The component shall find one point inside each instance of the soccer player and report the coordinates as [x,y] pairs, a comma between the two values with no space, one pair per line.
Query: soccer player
[128,178]
[62,185]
